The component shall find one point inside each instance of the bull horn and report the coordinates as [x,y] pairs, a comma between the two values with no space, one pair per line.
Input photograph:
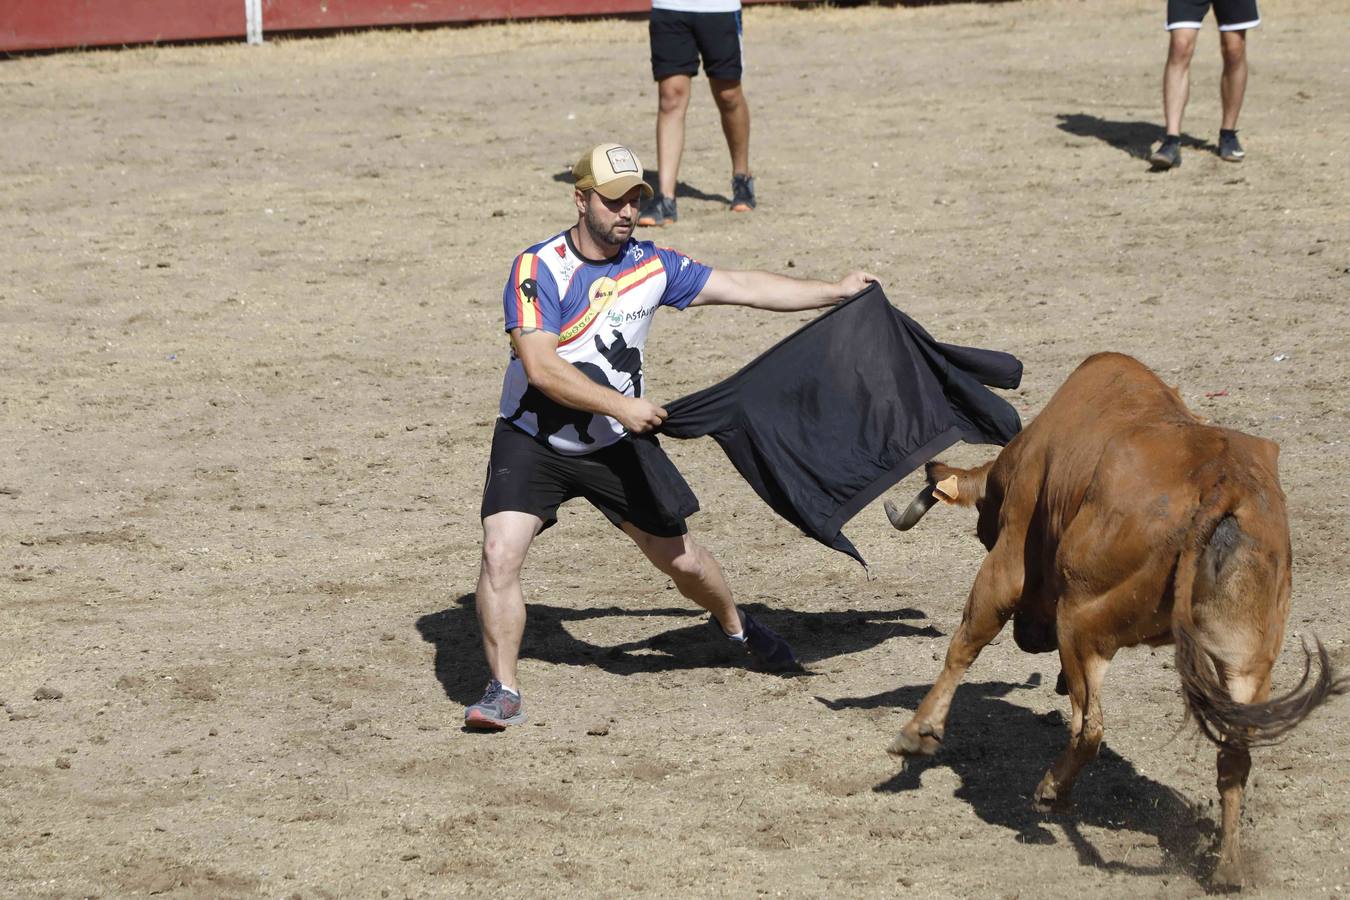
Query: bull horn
[911,516]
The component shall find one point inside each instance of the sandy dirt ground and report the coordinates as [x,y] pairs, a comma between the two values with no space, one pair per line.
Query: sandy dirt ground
[250,354]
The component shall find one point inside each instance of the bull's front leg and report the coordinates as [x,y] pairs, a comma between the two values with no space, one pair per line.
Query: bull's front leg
[1083,669]
[993,598]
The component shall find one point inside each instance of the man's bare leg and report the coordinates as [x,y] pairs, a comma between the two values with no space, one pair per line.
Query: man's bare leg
[1176,91]
[673,93]
[499,600]
[1177,76]
[1233,84]
[694,570]
[698,576]
[735,114]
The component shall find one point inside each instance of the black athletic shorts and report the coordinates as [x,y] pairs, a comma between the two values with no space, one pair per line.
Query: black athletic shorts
[1232,15]
[526,475]
[678,38]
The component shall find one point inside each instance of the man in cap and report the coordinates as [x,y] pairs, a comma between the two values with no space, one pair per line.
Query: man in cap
[578,308]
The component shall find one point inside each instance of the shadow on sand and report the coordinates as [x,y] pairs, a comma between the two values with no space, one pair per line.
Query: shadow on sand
[1000,750]
[1135,138]
[815,637]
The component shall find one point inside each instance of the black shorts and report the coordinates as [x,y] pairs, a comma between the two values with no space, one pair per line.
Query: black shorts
[1232,15]
[526,475]
[678,38]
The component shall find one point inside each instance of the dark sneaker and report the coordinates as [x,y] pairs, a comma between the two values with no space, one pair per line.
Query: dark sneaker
[1229,148]
[498,709]
[1168,154]
[658,211]
[767,647]
[742,193]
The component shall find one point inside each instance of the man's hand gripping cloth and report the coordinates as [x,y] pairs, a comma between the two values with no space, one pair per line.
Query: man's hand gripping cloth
[825,421]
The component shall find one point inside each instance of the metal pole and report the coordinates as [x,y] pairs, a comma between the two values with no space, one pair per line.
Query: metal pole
[253,18]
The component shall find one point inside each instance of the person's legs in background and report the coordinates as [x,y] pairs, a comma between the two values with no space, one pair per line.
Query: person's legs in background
[1232,87]
[674,54]
[1176,91]
[735,114]
[673,97]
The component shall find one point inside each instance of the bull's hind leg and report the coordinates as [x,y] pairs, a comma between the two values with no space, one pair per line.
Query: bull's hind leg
[1241,599]
[1084,669]
[1234,765]
[993,597]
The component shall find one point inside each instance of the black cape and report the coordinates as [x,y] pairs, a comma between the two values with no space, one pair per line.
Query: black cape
[829,418]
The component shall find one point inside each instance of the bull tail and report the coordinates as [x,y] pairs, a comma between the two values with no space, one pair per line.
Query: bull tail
[1224,721]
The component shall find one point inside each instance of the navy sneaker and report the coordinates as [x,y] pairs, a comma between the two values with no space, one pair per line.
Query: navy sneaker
[766,646]
[742,193]
[658,211]
[1168,154]
[498,709]
[1230,149]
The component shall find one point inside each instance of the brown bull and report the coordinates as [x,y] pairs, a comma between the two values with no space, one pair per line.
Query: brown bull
[1118,518]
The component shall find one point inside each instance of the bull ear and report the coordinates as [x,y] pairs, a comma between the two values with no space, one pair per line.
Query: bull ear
[948,490]
[921,504]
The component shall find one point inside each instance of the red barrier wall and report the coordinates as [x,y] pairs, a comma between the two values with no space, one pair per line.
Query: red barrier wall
[47,24]
[295,15]
[42,24]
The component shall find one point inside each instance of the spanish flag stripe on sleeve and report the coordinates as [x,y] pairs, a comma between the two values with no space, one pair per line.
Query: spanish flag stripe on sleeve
[527,310]
[639,275]
[515,283]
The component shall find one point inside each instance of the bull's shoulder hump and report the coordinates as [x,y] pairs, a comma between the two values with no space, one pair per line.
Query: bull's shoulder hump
[1114,359]
[1262,449]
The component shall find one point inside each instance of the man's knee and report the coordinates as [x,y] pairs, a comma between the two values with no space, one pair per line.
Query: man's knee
[686,566]
[691,566]
[1234,50]
[502,560]
[728,95]
[673,93]
[1182,46]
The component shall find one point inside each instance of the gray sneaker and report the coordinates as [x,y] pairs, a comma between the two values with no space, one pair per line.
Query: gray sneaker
[1229,148]
[1168,154]
[658,211]
[498,709]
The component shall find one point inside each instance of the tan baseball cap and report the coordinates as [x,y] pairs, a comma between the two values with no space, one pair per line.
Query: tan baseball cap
[611,170]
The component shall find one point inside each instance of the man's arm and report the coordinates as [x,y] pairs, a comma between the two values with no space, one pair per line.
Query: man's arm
[765,290]
[562,383]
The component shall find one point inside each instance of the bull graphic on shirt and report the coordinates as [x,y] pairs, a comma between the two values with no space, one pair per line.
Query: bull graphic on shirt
[623,358]
[553,417]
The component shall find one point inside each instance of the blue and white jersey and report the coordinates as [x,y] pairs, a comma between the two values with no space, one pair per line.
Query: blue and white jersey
[601,311]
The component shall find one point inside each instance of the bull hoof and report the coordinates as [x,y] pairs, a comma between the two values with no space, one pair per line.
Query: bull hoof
[1048,799]
[1228,874]
[921,741]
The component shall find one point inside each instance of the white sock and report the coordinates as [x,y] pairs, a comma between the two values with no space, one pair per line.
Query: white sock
[739,637]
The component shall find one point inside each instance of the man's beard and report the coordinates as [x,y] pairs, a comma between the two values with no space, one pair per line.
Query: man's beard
[610,236]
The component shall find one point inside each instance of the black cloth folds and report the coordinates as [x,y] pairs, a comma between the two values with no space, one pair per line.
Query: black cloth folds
[822,423]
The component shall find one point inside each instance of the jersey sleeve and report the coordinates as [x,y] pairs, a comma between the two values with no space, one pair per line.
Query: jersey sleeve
[685,278]
[531,296]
